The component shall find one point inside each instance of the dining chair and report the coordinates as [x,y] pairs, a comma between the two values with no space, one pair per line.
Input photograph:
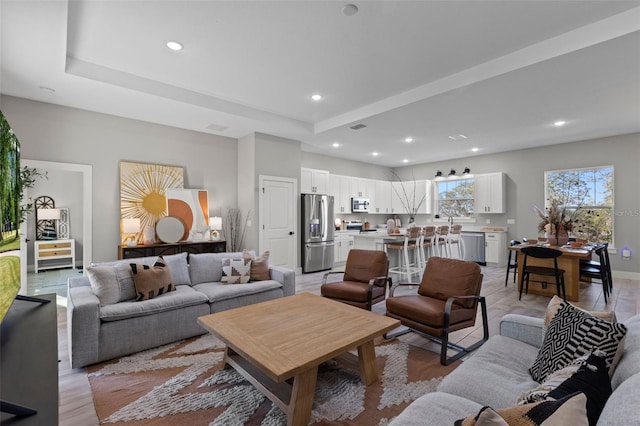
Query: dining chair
[447,300]
[600,270]
[527,270]
[364,281]
[513,265]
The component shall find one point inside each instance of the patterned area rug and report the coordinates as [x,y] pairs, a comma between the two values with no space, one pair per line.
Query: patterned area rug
[184,384]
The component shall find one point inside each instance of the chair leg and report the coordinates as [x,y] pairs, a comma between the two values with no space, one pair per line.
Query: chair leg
[462,351]
[506,279]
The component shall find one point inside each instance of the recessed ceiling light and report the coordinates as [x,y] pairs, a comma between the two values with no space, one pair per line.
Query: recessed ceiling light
[458,137]
[475,149]
[408,140]
[559,123]
[47,89]
[405,160]
[349,10]
[174,45]
[375,154]
[335,144]
[316,97]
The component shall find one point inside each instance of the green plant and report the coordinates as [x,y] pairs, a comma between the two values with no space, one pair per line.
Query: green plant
[27,180]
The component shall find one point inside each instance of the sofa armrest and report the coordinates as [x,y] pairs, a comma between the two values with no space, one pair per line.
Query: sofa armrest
[79,282]
[83,325]
[523,328]
[286,277]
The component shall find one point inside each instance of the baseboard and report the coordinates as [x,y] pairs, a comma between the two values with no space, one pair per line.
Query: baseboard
[626,275]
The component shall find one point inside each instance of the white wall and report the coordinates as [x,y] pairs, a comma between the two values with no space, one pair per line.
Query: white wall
[56,133]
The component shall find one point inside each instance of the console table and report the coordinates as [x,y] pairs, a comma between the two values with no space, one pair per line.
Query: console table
[29,361]
[129,252]
[63,252]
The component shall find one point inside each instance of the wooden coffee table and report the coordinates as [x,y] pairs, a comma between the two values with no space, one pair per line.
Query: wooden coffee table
[271,342]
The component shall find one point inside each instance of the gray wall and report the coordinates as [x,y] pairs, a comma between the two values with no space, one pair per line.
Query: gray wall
[55,133]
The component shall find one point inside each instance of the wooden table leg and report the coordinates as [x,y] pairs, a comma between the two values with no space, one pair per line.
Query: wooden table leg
[301,404]
[367,358]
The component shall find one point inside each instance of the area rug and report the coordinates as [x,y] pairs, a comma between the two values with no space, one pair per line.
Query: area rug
[184,384]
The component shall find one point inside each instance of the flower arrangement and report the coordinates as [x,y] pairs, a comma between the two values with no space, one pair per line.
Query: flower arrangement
[556,220]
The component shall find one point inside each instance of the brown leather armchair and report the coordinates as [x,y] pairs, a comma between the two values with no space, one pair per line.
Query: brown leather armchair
[447,301]
[364,282]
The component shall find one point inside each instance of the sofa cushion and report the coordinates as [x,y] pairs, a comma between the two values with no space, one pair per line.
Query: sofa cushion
[112,284]
[259,265]
[207,267]
[216,291]
[236,270]
[495,374]
[571,333]
[623,406]
[177,265]
[183,296]
[152,281]
[435,409]
[629,364]
[569,410]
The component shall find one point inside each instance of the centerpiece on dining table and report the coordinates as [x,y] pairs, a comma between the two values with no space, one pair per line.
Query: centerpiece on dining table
[556,221]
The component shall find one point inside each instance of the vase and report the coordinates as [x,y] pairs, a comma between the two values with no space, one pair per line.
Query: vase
[562,238]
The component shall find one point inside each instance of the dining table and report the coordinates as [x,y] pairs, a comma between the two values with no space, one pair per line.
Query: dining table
[569,262]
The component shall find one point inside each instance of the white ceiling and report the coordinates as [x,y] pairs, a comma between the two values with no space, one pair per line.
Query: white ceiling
[499,72]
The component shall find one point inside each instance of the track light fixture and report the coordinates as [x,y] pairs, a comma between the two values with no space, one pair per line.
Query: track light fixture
[452,172]
[466,171]
[438,174]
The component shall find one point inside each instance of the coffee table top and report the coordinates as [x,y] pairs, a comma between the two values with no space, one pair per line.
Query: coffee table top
[287,336]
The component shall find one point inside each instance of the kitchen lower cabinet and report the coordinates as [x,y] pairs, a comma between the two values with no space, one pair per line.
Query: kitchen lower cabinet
[343,244]
[495,248]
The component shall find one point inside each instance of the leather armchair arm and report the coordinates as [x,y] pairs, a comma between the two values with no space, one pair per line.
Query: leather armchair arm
[397,285]
[383,278]
[324,277]
[447,306]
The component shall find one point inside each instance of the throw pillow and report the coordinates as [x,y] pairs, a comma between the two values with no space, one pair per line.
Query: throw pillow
[152,281]
[571,333]
[112,284]
[569,410]
[236,271]
[259,266]
[587,374]
[554,304]
[179,268]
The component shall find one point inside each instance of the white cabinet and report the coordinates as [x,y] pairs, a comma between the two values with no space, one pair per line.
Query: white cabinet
[490,193]
[343,244]
[55,254]
[382,197]
[340,188]
[495,251]
[314,181]
[424,189]
[398,198]
[408,195]
[360,187]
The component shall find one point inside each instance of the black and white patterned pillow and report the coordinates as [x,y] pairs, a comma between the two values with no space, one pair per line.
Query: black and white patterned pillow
[572,333]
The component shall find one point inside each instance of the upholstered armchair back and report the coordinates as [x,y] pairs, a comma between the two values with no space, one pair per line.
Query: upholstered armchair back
[362,265]
[444,278]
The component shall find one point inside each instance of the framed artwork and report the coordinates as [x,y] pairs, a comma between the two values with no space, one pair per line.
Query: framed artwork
[143,191]
[192,207]
[63,223]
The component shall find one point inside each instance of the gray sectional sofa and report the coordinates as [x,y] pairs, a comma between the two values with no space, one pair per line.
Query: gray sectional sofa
[497,373]
[99,332]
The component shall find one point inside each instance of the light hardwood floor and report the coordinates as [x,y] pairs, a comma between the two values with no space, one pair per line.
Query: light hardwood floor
[76,403]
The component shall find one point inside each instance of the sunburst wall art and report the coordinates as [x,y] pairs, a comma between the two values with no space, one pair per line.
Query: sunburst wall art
[143,191]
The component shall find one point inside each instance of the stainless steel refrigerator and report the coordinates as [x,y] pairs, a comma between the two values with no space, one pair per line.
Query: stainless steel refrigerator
[317,232]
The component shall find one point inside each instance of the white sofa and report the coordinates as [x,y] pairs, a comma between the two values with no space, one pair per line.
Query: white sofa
[102,332]
[497,373]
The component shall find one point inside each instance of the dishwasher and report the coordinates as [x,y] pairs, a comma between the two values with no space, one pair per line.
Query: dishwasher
[473,246]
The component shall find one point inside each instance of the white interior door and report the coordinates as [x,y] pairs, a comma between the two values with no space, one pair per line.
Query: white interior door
[278,224]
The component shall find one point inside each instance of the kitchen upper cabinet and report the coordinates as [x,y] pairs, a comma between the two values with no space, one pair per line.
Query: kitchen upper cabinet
[360,187]
[314,181]
[490,193]
[341,191]
[397,198]
[382,197]
[408,194]
[424,189]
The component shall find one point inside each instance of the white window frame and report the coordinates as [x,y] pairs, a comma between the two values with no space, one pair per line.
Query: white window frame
[436,197]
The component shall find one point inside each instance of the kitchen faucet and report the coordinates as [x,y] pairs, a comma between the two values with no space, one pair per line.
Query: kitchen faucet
[450,220]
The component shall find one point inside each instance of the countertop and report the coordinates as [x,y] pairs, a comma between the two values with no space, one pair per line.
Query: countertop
[380,233]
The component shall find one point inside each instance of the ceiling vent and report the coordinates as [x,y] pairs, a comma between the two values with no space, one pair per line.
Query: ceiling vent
[358,126]
[217,127]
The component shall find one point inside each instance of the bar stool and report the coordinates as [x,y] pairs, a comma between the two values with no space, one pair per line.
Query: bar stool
[428,242]
[441,240]
[404,248]
[513,265]
[453,238]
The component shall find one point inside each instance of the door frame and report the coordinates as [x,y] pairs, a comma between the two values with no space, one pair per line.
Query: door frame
[87,203]
[294,202]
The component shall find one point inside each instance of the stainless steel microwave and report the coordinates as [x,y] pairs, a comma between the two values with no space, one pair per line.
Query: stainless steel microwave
[359,205]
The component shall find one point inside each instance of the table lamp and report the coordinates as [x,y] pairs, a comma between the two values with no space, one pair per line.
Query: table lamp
[131,228]
[50,216]
[215,225]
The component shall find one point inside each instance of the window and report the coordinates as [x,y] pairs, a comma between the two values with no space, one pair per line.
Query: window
[455,198]
[588,194]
